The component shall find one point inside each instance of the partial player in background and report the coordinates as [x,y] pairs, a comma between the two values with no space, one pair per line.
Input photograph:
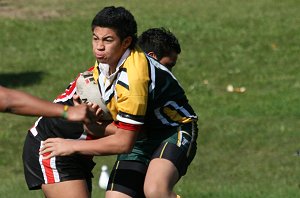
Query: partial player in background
[161,44]
[21,103]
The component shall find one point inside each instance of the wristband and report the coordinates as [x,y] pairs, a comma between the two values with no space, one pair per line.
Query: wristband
[65,112]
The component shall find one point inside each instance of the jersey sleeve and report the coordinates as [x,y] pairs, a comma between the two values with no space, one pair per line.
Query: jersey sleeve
[132,89]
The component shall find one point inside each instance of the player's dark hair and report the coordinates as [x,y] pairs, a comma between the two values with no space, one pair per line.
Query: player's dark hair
[119,19]
[160,41]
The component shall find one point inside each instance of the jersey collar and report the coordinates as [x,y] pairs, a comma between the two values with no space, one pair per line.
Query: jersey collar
[104,68]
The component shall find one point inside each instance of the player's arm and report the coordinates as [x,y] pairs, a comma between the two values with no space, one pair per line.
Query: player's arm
[99,129]
[121,141]
[21,103]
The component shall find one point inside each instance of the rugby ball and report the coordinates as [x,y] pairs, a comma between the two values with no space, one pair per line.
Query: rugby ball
[88,91]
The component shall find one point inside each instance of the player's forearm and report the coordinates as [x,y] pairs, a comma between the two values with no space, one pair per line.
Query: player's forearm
[122,141]
[93,147]
[25,104]
[117,143]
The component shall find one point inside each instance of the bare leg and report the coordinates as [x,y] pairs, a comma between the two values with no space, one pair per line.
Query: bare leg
[115,194]
[67,189]
[160,179]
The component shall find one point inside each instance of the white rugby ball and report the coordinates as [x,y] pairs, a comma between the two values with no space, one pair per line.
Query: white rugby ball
[88,91]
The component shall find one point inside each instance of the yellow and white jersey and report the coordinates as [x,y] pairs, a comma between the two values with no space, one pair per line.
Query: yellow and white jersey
[143,92]
[125,92]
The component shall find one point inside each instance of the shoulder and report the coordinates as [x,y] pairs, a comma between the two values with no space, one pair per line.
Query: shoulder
[137,63]
[137,57]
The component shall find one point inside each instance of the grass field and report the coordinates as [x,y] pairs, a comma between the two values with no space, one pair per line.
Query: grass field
[247,142]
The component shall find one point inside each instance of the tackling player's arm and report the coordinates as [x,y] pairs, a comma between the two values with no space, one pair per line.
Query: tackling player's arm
[18,102]
[21,103]
[120,141]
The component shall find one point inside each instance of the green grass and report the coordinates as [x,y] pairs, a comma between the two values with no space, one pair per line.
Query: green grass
[247,141]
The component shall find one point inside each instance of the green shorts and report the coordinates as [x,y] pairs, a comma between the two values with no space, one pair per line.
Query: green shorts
[177,144]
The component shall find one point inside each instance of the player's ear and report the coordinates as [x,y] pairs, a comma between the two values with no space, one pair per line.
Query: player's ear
[152,54]
[126,42]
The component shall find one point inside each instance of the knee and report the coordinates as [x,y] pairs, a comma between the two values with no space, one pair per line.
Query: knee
[156,190]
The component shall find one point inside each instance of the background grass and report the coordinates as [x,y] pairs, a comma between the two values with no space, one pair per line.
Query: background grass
[247,142]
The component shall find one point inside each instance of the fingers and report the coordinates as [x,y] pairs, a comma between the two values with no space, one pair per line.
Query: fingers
[76,97]
[47,149]
[76,100]
[48,155]
[87,112]
[98,111]
[56,147]
[93,105]
[91,113]
[50,140]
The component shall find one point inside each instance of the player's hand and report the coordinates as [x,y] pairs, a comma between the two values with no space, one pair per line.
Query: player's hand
[94,107]
[76,100]
[84,113]
[57,147]
[97,109]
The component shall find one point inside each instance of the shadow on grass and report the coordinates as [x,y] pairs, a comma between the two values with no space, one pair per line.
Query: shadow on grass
[13,80]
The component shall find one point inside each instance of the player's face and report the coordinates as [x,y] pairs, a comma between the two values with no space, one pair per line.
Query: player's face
[107,46]
[170,60]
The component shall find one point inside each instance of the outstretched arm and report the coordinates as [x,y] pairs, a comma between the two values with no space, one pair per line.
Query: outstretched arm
[21,103]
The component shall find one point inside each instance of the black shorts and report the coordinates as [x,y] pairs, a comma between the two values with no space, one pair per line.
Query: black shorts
[57,169]
[178,145]
[128,177]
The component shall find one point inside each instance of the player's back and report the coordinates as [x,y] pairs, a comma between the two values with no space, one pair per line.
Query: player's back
[168,105]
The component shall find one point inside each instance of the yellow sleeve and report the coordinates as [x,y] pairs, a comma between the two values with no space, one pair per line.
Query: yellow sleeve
[132,89]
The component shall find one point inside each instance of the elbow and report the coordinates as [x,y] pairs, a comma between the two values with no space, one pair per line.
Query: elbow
[125,141]
[125,148]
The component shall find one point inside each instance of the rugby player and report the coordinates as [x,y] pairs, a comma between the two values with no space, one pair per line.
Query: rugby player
[154,129]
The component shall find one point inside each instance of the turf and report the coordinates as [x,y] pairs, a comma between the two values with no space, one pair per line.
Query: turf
[247,142]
